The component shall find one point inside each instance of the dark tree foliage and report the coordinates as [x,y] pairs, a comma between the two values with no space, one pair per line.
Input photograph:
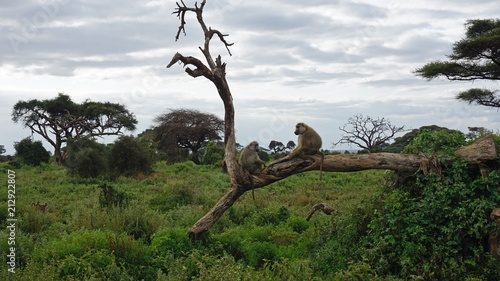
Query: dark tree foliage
[401,142]
[263,155]
[368,133]
[477,132]
[87,158]
[31,152]
[60,119]
[129,157]
[2,149]
[276,146]
[187,128]
[477,56]
[290,145]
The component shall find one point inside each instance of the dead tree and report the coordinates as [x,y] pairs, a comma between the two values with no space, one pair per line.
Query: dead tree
[215,71]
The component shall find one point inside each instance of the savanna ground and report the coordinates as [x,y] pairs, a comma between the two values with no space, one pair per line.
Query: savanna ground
[135,228]
[144,236]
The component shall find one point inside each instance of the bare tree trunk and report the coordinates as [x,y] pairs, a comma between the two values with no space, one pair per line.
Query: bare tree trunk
[209,219]
[57,151]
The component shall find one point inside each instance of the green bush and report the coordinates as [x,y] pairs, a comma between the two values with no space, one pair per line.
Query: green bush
[175,242]
[174,196]
[109,196]
[96,255]
[259,253]
[443,141]
[298,224]
[31,152]
[214,154]
[87,158]
[438,232]
[275,218]
[129,157]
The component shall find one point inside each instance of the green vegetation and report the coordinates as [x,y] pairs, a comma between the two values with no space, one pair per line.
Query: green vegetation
[135,228]
[87,158]
[31,152]
[129,157]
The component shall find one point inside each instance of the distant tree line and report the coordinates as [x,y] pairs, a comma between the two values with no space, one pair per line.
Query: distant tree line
[72,129]
[176,136]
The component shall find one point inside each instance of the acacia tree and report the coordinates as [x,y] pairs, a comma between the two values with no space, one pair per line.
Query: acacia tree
[276,146]
[215,71]
[477,56]
[60,119]
[188,128]
[368,133]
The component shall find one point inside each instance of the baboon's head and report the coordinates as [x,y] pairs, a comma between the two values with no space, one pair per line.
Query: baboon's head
[300,128]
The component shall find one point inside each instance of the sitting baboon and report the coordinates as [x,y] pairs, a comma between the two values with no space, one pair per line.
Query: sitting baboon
[309,143]
[249,160]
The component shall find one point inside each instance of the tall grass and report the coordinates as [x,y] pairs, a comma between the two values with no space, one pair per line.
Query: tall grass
[79,237]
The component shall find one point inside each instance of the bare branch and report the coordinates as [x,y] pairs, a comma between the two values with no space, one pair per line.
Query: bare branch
[221,38]
[181,12]
[201,69]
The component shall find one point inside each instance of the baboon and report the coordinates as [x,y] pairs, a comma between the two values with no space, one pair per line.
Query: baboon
[41,207]
[309,143]
[249,160]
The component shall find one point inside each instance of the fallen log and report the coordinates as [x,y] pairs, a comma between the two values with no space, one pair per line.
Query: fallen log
[479,152]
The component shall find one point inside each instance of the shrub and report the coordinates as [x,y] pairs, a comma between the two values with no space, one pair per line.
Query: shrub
[175,242]
[258,253]
[214,154]
[129,157]
[31,152]
[275,218]
[443,141]
[97,255]
[111,197]
[298,224]
[87,158]
[438,232]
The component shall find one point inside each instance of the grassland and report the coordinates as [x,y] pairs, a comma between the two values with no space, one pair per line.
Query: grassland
[139,229]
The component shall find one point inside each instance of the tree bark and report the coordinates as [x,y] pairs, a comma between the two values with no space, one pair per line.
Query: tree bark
[482,151]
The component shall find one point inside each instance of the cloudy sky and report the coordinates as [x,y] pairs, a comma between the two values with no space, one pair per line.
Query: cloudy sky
[317,61]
